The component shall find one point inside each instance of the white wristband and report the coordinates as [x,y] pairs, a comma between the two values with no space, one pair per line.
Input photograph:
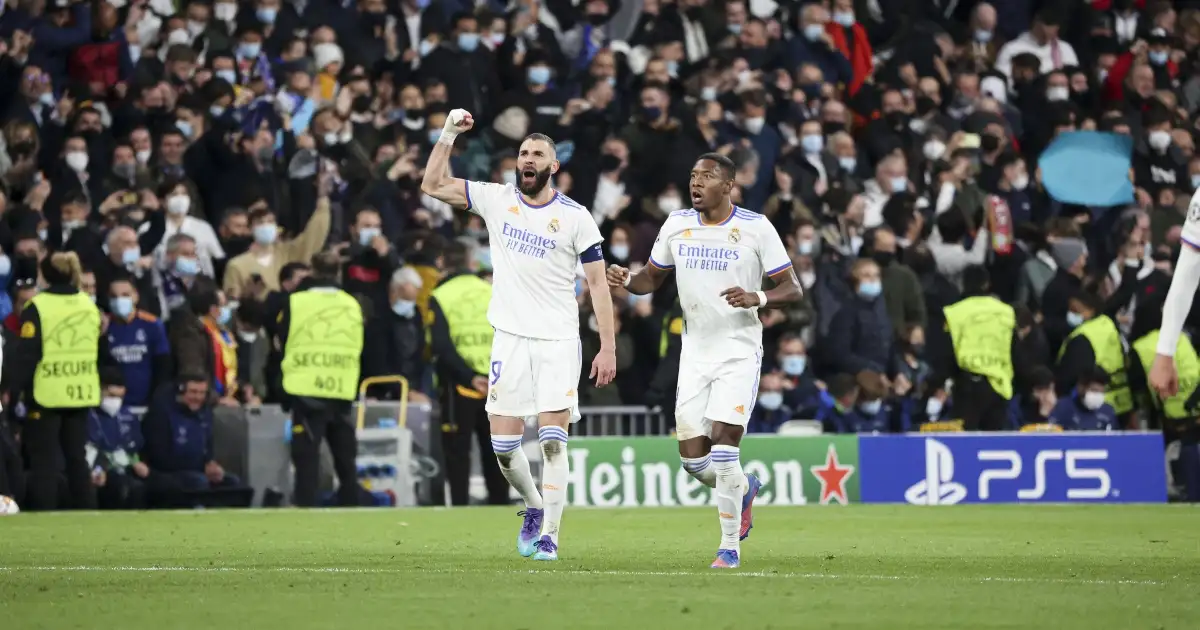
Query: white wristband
[447,137]
[762,298]
[628,279]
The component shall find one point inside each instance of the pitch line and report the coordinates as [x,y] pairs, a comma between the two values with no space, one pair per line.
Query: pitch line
[583,572]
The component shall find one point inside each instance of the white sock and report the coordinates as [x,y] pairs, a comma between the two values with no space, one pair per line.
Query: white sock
[515,467]
[555,469]
[701,469]
[731,485]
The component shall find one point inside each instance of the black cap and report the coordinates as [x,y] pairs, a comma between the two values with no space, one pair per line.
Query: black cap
[1158,35]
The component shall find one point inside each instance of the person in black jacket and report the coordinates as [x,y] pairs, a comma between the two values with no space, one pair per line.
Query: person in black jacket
[860,336]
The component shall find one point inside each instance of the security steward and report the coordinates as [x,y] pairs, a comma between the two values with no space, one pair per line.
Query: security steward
[321,333]
[54,369]
[1178,419]
[1094,341]
[980,356]
[461,339]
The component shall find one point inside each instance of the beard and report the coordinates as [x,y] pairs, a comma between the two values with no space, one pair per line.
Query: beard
[539,182]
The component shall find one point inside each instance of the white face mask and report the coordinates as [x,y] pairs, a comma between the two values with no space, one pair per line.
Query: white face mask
[755,125]
[179,204]
[808,278]
[143,156]
[1057,93]
[1021,183]
[110,405]
[1159,140]
[78,161]
[1093,400]
[509,177]
[934,150]
[933,407]
[668,204]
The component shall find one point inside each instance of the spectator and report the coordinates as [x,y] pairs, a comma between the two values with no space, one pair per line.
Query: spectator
[860,337]
[253,348]
[901,289]
[137,342]
[256,272]
[115,445]
[801,389]
[178,202]
[1085,409]
[870,414]
[769,412]
[1094,342]
[837,402]
[403,329]
[179,449]
[1043,398]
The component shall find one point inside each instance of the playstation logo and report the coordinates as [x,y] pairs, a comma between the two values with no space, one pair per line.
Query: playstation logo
[938,487]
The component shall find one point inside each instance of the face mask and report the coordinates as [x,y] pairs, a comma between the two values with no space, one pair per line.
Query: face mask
[539,75]
[1102,74]
[708,93]
[871,408]
[848,163]
[845,18]
[804,248]
[794,364]
[483,256]
[131,256]
[110,405]
[812,143]
[813,32]
[652,113]
[1074,320]
[918,126]
[620,251]
[425,47]
[216,111]
[77,161]
[434,134]
[179,204]
[736,29]
[933,407]
[870,290]
[497,39]
[187,267]
[883,259]
[178,37]
[366,235]
[404,308]
[47,99]
[265,233]
[194,28]
[1159,140]
[121,306]
[899,184]
[1093,400]
[509,178]
[229,75]
[249,50]
[1021,183]
[755,125]
[143,156]
[770,400]
[934,150]
[225,11]
[1158,57]
[673,69]
[125,171]
[267,15]
[668,204]
[983,36]
[989,143]
[5,266]
[1195,181]
[468,42]
[1057,93]
[44,234]
[225,315]
[248,337]
[808,278]
[73,224]
[184,128]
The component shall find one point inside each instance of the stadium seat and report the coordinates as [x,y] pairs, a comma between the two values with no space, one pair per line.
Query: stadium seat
[795,428]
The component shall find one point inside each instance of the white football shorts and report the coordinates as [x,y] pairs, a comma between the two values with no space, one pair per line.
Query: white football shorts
[715,392]
[530,376]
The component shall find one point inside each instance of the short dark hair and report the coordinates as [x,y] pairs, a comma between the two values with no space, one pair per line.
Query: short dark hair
[1089,299]
[75,196]
[456,255]
[975,280]
[1041,377]
[252,312]
[203,296]
[326,265]
[258,214]
[725,165]
[1093,374]
[842,384]
[289,271]
[191,377]
[112,377]
[542,138]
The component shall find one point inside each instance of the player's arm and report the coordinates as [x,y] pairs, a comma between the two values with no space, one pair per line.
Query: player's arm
[649,278]
[437,182]
[786,291]
[1180,296]
[604,368]
[778,265]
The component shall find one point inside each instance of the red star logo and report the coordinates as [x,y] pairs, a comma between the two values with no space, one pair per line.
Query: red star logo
[833,477]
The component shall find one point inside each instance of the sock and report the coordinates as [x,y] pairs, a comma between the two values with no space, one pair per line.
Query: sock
[731,485]
[701,469]
[555,469]
[515,467]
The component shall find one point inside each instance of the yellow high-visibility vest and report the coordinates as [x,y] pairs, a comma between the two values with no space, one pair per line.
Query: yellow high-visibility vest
[981,329]
[464,301]
[324,345]
[67,376]
[1102,334]
[1187,366]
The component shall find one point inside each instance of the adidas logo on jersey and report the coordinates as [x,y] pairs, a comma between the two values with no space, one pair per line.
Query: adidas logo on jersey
[740,409]
[514,210]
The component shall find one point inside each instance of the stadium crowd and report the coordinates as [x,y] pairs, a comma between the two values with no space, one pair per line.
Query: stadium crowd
[197,155]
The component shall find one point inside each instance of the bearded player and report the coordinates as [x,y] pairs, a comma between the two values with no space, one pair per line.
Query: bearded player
[539,236]
[719,253]
[1163,377]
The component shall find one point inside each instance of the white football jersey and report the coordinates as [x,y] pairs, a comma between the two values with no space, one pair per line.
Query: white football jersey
[1191,225]
[535,252]
[707,259]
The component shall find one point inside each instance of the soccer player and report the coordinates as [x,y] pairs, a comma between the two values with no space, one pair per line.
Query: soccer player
[1163,377]
[719,253]
[539,236]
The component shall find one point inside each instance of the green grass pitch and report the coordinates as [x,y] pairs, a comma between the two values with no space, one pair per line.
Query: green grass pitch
[1086,567]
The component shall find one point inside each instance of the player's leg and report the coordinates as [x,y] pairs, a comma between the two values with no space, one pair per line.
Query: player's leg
[510,399]
[557,364]
[691,428]
[730,404]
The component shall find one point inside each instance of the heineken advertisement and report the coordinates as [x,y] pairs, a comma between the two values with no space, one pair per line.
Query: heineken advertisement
[629,472]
